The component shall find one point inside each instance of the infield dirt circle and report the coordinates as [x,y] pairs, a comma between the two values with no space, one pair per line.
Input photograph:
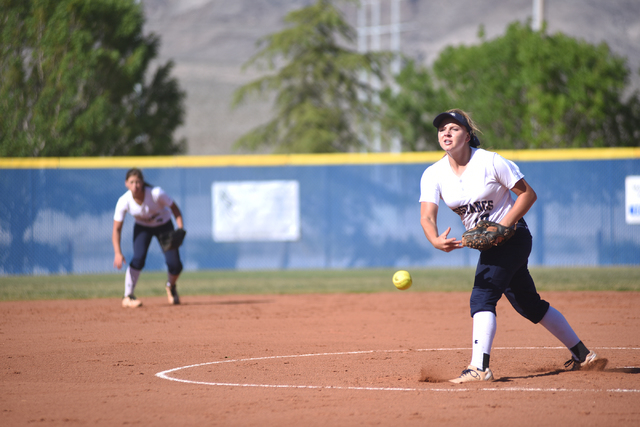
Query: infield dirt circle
[311,360]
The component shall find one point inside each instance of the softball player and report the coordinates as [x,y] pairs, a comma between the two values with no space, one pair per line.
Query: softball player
[151,208]
[477,184]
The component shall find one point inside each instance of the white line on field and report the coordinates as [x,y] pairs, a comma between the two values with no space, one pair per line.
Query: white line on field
[165,374]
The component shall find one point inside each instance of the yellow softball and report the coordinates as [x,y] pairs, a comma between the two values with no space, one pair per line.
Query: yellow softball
[402,280]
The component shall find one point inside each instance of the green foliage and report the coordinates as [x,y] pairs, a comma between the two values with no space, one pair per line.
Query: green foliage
[322,102]
[526,89]
[409,106]
[72,81]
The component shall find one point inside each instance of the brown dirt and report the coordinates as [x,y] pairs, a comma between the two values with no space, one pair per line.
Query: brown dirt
[314,360]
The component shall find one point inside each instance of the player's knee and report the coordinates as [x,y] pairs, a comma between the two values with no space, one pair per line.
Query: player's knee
[137,263]
[175,268]
[535,313]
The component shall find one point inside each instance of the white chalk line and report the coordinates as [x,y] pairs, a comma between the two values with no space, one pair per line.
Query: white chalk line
[165,374]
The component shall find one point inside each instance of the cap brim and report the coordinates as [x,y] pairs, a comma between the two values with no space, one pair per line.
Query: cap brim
[451,116]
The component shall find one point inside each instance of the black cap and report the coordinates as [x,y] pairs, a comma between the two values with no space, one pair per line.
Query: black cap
[474,142]
[452,115]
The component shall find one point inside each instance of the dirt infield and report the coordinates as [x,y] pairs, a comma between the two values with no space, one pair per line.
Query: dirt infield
[313,360]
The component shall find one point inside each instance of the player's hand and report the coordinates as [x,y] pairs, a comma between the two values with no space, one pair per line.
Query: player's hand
[118,260]
[446,244]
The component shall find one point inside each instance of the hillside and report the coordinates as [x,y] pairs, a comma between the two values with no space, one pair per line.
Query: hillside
[209,40]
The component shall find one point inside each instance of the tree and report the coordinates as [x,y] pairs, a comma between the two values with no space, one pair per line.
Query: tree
[322,103]
[528,89]
[72,81]
[409,108]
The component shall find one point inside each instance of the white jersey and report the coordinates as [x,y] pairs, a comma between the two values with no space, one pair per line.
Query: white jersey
[153,212]
[481,192]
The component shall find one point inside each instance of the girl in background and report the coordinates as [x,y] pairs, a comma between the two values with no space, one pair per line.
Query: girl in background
[151,208]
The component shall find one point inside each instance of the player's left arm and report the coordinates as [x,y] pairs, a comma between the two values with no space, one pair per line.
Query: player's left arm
[525,198]
[178,214]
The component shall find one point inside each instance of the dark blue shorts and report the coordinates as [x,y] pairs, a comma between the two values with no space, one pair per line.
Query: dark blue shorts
[142,239]
[504,270]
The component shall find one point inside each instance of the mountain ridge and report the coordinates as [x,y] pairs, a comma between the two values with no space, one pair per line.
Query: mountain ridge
[209,40]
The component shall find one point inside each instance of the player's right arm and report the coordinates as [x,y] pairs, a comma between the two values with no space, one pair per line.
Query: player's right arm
[118,258]
[429,222]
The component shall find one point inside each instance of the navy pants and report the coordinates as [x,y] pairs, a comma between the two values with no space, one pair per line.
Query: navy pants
[142,239]
[504,270]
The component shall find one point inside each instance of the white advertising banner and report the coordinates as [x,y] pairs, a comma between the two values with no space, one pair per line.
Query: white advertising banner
[632,199]
[256,211]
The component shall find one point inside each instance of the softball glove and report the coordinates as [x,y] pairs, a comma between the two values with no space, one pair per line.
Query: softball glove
[487,234]
[171,239]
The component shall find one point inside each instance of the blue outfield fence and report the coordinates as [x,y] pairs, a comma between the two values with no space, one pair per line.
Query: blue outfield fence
[353,211]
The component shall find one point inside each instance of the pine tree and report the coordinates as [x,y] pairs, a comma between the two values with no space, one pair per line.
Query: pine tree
[322,102]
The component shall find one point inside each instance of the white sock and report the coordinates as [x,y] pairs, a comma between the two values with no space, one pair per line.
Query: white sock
[130,280]
[555,323]
[484,330]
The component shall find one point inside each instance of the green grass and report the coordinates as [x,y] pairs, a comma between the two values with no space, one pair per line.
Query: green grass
[14,288]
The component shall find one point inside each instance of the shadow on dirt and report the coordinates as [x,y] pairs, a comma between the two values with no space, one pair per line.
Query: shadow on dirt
[623,370]
[234,302]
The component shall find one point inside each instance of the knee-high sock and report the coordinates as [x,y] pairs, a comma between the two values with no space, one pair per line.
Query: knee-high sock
[130,280]
[484,330]
[555,323]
